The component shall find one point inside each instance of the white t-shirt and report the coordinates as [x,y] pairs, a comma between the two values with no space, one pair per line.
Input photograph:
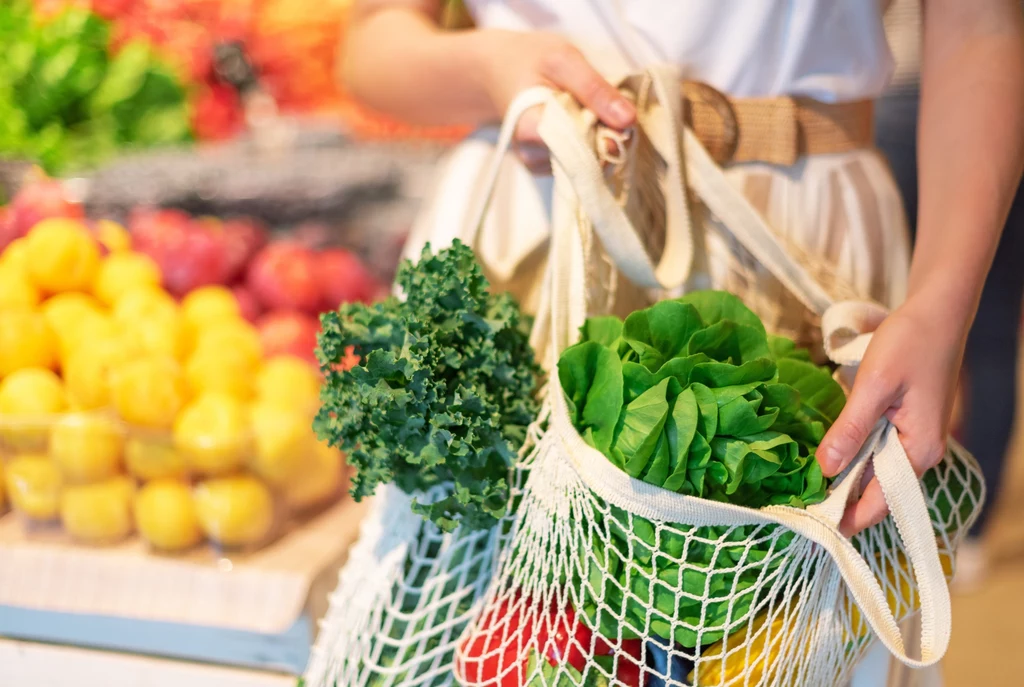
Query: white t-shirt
[831,50]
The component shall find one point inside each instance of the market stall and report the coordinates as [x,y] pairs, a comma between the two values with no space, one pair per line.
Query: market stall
[180,199]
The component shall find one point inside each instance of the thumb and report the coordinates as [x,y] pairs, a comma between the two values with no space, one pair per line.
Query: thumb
[842,442]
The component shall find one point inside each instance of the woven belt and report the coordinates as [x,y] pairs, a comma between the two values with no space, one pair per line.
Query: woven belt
[776,130]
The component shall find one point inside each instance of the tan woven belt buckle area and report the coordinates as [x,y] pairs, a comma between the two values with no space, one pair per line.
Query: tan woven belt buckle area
[710,114]
[776,130]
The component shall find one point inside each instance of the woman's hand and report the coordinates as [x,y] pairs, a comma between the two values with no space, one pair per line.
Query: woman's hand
[908,375]
[397,60]
[514,61]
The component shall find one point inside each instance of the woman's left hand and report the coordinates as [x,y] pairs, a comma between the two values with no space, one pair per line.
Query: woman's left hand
[909,375]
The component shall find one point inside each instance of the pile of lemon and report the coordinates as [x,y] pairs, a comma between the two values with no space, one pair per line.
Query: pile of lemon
[122,409]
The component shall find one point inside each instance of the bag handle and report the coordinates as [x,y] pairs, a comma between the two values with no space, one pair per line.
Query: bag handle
[523,102]
[732,209]
[578,181]
[574,161]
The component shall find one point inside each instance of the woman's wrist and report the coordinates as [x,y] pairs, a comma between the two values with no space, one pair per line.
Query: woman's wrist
[945,301]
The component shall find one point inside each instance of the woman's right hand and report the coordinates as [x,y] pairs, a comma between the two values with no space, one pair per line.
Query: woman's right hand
[513,61]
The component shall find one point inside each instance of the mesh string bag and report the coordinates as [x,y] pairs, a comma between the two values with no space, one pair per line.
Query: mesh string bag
[610,580]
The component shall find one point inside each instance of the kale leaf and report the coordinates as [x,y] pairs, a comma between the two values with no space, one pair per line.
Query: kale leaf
[443,392]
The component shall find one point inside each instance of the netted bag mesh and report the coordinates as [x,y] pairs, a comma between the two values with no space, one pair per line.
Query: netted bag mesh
[406,593]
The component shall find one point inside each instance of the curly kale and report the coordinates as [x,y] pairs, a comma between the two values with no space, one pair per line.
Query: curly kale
[443,392]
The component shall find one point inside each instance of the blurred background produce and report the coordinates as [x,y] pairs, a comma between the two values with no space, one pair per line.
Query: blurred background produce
[184,189]
[81,80]
[161,377]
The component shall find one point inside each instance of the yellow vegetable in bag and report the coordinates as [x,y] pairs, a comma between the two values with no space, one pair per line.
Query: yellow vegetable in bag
[755,663]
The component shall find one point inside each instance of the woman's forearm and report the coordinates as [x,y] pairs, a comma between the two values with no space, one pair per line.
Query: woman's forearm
[970,148]
[397,60]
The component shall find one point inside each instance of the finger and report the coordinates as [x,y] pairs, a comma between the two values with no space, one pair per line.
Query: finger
[870,510]
[866,404]
[567,68]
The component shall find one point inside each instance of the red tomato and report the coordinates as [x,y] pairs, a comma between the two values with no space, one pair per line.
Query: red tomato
[498,654]
[629,672]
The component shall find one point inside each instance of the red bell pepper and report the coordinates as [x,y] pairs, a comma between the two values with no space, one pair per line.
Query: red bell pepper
[500,651]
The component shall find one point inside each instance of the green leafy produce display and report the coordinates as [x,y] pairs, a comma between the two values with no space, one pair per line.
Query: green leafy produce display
[67,102]
[444,390]
[693,395]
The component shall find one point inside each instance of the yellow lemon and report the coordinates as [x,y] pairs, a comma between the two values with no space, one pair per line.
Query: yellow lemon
[318,480]
[32,391]
[25,341]
[236,338]
[285,381]
[281,440]
[148,391]
[209,305]
[221,371]
[68,312]
[121,273]
[34,486]
[157,334]
[15,257]
[87,372]
[234,511]
[91,330]
[213,433]
[16,291]
[166,516]
[98,513]
[86,446]
[29,398]
[154,457]
[62,256]
[113,236]
[144,302]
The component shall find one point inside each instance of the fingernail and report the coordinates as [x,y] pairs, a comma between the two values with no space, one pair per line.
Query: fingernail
[622,112]
[829,460]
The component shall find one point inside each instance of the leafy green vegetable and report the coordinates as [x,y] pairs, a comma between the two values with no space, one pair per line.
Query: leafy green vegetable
[67,102]
[754,400]
[705,403]
[444,391]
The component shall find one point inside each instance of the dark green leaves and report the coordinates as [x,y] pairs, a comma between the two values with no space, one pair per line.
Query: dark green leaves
[444,391]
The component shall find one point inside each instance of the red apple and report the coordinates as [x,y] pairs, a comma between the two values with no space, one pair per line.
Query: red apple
[148,225]
[38,200]
[283,277]
[247,303]
[188,253]
[243,238]
[343,278]
[289,332]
